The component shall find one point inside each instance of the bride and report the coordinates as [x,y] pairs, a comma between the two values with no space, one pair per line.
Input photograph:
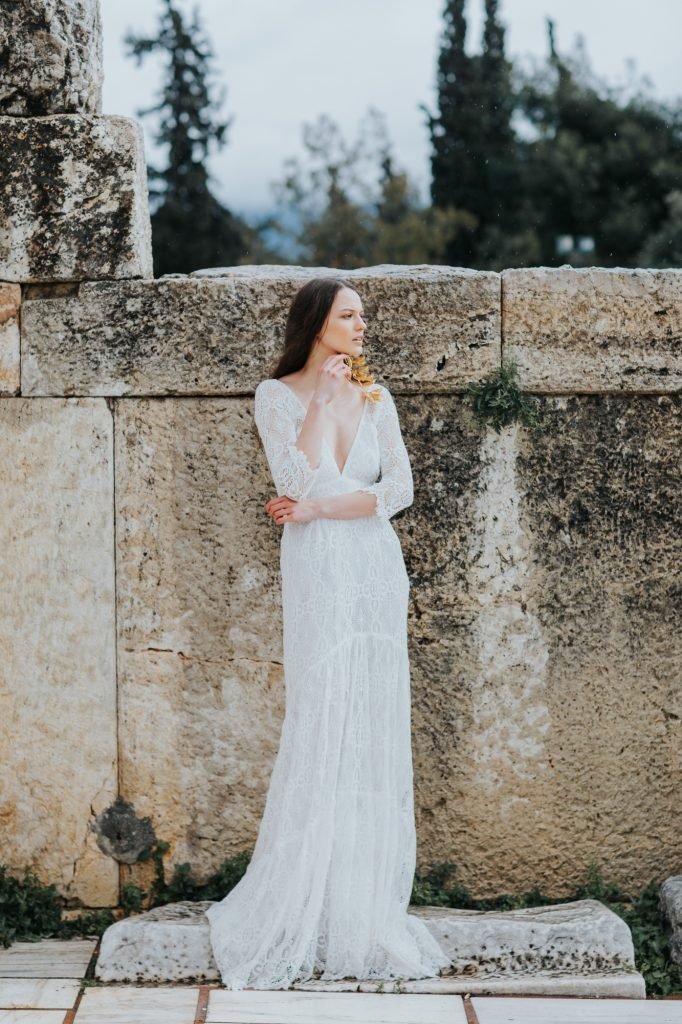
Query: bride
[327,889]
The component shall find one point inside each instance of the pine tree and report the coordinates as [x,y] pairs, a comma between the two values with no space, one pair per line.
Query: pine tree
[191,229]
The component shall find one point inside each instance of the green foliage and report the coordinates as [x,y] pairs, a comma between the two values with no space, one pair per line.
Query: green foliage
[498,401]
[641,913]
[183,886]
[30,910]
[132,898]
[475,162]
[191,229]
[600,165]
[347,206]
[591,162]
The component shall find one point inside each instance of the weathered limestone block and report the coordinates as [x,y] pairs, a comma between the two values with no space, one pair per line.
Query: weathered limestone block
[57,642]
[50,57]
[543,590]
[582,943]
[220,332]
[594,328]
[670,902]
[10,301]
[74,203]
[544,621]
[201,689]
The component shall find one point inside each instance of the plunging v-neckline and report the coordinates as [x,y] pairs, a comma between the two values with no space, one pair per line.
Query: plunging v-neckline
[324,439]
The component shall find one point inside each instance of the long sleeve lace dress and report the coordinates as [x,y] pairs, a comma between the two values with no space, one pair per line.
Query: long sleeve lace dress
[326,892]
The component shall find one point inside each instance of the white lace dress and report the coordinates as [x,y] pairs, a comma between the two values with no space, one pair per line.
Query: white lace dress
[326,892]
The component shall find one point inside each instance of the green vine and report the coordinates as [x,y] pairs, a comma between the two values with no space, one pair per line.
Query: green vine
[498,400]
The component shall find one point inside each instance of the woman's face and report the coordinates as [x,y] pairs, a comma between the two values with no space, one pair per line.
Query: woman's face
[345,327]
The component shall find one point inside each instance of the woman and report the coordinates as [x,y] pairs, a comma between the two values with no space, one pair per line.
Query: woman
[326,892]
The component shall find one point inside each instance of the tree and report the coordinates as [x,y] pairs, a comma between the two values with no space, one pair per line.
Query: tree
[190,227]
[405,231]
[348,206]
[599,166]
[474,161]
[664,247]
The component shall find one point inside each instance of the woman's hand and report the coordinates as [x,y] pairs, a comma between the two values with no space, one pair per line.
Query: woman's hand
[285,510]
[332,373]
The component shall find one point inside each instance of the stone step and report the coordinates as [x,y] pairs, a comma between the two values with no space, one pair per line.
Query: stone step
[580,949]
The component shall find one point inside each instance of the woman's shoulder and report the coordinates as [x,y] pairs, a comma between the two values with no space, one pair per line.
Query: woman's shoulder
[269,395]
[268,387]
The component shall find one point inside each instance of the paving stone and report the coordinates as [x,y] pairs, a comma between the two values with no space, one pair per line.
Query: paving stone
[119,1004]
[576,1011]
[38,993]
[31,1017]
[46,958]
[293,1007]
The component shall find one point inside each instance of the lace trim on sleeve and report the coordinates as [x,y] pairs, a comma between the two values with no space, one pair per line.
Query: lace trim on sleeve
[376,489]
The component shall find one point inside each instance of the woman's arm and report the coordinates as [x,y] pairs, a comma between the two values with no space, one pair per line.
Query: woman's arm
[354,505]
[294,460]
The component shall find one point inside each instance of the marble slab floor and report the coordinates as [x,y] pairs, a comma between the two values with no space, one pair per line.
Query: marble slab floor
[50,982]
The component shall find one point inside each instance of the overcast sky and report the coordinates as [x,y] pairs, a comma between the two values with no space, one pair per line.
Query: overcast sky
[285,62]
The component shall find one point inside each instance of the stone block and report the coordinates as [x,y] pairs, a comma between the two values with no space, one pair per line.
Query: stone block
[74,204]
[10,301]
[544,620]
[201,687]
[430,328]
[542,591]
[581,947]
[57,642]
[594,329]
[670,902]
[50,57]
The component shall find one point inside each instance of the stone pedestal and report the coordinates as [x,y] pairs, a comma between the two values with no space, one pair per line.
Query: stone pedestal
[580,948]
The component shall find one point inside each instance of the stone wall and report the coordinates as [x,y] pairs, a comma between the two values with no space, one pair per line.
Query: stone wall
[140,645]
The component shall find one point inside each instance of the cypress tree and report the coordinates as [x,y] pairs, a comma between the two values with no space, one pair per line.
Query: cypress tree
[473,160]
[455,161]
